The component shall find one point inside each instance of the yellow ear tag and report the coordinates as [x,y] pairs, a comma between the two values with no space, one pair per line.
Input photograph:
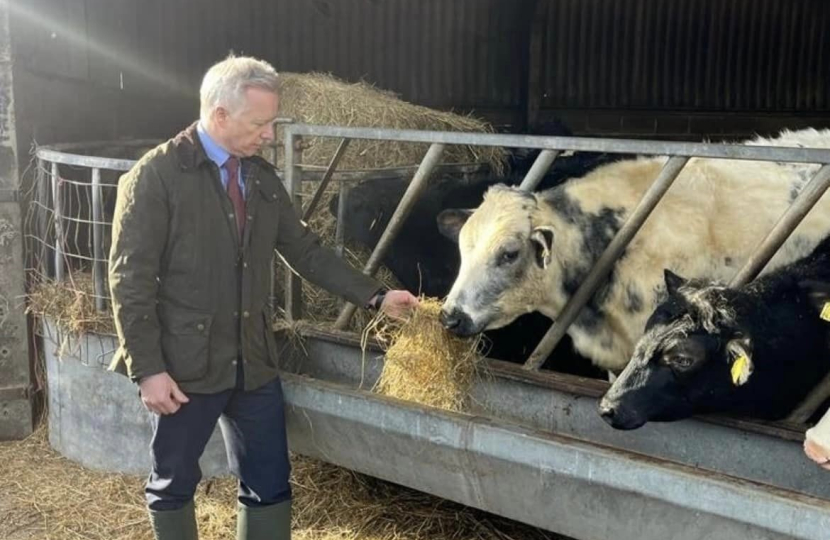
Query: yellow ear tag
[741,370]
[825,312]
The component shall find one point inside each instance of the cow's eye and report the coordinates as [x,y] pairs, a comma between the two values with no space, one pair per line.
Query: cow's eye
[681,362]
[508,257]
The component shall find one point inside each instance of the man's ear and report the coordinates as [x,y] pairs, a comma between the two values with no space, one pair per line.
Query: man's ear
[450,222]
[673,281]
[739,352]
[542,238]
[818,293]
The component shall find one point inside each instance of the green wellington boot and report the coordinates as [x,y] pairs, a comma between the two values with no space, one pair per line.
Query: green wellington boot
[175,524]
[264,522]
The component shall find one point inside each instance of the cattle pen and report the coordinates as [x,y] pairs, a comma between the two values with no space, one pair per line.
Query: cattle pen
[534,448]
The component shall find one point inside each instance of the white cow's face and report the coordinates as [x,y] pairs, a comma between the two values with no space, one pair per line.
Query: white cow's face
[504,261]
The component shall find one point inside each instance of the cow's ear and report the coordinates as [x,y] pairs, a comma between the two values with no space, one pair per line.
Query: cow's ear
[818,293]
[739,352]
[542,238]
[450,222]
[673,281]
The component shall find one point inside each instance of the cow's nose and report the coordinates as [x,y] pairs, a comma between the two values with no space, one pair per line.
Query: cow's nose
[450,320]
[608,411]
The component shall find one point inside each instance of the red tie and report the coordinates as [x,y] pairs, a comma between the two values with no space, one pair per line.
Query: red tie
[235,192]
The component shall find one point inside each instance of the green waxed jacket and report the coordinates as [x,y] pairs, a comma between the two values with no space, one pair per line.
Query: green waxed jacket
[187,297]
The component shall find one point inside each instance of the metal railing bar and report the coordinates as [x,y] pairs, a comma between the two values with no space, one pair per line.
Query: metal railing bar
[413,192]
[541,165]
[97,247]
[340,228]
[606,261]
[338,155]
[786,224]
[292,180]
[584,144]
[62,158]
[56,201]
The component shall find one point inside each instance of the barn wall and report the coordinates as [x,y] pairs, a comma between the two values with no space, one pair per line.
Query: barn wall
[15,376]
[685,68]
[682,69]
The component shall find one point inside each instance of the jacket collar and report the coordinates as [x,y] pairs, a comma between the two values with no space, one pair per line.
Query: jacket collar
[189,148]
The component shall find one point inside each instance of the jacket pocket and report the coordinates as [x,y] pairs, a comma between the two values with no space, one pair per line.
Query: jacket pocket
[185,342]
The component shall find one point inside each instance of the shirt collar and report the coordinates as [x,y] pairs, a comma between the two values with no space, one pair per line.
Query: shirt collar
[214,151]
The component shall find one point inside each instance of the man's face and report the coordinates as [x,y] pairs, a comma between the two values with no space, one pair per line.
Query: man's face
[245,131]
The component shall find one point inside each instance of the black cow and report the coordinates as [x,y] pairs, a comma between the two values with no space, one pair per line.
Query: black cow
[425,261]
[754,351]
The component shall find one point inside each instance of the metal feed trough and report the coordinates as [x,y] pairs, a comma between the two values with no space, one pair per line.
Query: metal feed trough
[534,448]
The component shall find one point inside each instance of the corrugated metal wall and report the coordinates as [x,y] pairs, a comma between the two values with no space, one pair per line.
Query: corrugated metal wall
[736,55]
[460,53]
[679,68]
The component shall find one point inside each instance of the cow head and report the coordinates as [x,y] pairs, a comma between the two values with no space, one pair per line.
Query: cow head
[506,256]
[695,357]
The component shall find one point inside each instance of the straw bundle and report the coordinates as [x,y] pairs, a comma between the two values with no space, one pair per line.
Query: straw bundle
[71,305]
[318,98]
[426,364]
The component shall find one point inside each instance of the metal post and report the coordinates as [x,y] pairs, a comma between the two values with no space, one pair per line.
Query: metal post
[45,264]
[293,181]
[606,261]
[97,247]
[811,403]
[537,171]
[340,230]
[786,224]
[344,144]
[413,191]
[56,201]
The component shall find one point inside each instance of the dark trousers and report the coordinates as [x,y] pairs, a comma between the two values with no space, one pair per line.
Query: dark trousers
[253,426]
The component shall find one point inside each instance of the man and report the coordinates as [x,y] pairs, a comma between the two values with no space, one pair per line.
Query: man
[195,226]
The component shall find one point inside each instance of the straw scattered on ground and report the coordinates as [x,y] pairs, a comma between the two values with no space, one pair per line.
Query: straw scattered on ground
[319,98]
[47,497]
[423,362]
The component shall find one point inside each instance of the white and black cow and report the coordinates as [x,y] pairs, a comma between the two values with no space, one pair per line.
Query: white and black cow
[427,262]
[755,350]
[524,252]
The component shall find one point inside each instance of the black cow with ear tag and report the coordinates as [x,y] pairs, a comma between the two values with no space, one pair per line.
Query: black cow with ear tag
[754,351]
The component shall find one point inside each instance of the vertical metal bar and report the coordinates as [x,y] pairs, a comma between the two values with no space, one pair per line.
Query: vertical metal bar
[340,230]
[344,144]
[786,224]
[56,201]
[606,261]
[811,403]
[293,181]
[97,243]
[413,191]
[537,171]
[45,264]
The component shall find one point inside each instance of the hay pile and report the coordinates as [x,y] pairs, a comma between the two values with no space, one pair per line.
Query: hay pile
[318,98]
[426,364]
[70,304]
[45,496]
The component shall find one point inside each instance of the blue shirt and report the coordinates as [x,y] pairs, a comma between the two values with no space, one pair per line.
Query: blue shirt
[219,155]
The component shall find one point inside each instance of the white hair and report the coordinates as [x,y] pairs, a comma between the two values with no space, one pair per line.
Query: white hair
[225,83]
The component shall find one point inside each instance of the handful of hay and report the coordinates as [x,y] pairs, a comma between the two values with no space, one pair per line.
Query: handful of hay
[425,363]
[319,98]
